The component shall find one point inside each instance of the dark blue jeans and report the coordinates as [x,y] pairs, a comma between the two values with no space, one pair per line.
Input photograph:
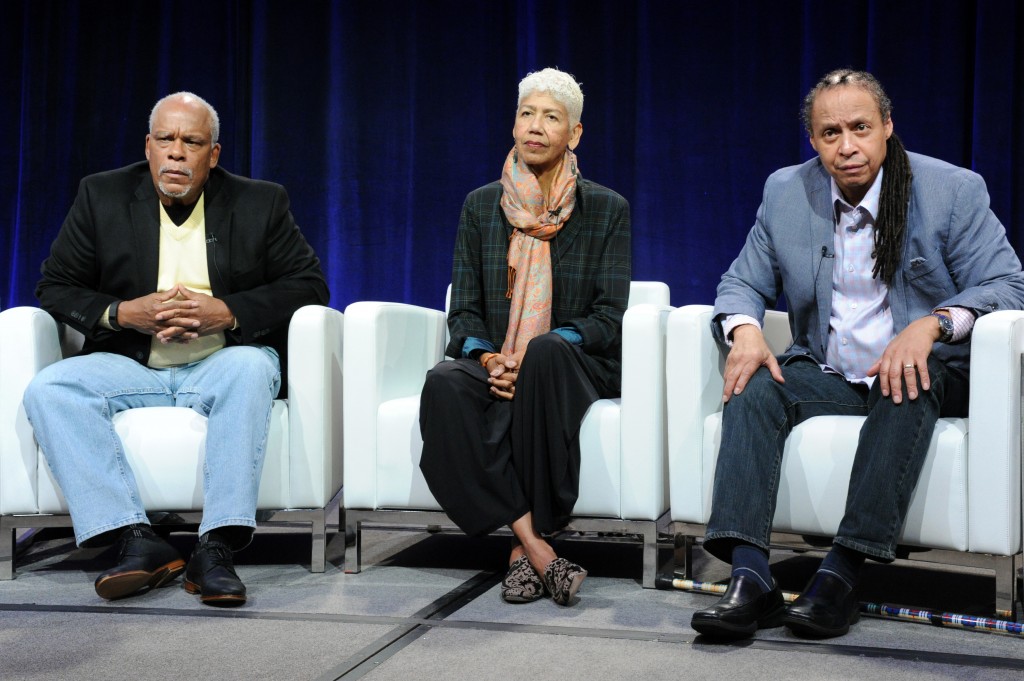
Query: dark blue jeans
[890,453]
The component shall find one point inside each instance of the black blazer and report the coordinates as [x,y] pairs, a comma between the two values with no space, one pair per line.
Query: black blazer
[108,249]
[591,264]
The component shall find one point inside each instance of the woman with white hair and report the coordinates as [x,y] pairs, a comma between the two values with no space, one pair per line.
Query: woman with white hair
[539,286]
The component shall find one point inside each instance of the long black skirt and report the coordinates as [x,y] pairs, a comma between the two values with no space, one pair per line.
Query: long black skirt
[488,460]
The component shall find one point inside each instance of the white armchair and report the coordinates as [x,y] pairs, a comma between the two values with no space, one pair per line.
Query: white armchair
[302,472]
[623,475]
[966,509]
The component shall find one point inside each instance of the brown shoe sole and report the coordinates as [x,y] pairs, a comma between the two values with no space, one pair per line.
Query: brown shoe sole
[124,584]
[223,600]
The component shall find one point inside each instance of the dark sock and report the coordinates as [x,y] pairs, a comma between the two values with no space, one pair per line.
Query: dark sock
[140,530]
[235,537]
[751,561]
[110,536]
[844,562]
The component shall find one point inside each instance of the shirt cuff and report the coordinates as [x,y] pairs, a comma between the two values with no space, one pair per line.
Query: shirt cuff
[473,344]
[732,321]
[570,334]
[105,320]
[963,322]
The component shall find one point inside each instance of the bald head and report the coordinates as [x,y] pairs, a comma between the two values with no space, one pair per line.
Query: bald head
[192,100]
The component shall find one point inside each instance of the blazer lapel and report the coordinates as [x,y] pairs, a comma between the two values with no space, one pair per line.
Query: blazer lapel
[822,239]
[898,296]
[218,231]
[573,226]
[145,234]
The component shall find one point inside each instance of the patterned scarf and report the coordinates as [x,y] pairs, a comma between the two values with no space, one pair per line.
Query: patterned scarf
[529,248]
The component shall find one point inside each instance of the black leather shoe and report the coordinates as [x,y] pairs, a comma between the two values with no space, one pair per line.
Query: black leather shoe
[742,610]
[211,574]
[144,560]
[826,608]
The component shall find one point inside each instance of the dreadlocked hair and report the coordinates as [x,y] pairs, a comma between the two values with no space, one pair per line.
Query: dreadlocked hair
[891,223]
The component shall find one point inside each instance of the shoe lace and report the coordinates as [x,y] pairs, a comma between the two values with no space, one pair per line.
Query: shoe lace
[131,541]
[220,555]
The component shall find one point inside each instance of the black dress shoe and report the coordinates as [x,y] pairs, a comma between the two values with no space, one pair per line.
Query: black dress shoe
[144,560]
[211,574]
[742,610]
[826,608]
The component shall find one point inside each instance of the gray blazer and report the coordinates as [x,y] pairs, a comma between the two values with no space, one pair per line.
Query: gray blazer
[955,253]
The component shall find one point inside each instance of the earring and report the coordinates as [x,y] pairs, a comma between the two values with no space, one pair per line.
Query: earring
[515,155]
[572,163]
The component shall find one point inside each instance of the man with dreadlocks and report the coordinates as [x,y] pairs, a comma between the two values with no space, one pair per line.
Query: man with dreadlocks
[886,258]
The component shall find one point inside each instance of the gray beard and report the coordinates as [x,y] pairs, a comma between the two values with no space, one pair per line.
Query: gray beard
[174,194]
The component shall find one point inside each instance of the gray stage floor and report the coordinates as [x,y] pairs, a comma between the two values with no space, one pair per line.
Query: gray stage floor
[426,606]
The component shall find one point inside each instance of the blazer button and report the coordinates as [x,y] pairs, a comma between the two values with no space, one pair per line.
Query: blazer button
[138,356]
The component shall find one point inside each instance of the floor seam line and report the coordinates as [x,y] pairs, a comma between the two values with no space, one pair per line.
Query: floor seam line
[438,612]
[394,642]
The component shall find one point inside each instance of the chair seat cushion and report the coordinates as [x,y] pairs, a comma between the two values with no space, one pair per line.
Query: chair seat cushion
[816,465]
[400,484]
[600,473]
[169,470]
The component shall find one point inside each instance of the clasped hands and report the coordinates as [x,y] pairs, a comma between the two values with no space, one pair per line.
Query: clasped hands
[178,315]
[906,357]
[503,370]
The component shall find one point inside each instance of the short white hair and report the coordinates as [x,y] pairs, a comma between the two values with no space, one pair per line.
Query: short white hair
[561,87]
[186,96]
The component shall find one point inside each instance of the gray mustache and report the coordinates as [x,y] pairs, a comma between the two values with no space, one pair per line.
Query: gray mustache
[187,171]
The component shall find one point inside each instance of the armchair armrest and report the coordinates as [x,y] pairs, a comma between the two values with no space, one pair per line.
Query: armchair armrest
[315,352]
[693,366]
[644,472]
[389,347]
[29,341]
[994,458]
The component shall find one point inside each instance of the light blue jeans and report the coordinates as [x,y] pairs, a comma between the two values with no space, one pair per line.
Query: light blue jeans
[71,405]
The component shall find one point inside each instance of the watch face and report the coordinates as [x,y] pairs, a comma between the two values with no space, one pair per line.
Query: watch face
[945,326]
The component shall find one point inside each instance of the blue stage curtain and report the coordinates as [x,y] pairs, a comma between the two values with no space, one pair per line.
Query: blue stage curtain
[379,117]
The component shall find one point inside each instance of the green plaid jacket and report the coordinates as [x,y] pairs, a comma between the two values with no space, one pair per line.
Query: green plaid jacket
[591,267]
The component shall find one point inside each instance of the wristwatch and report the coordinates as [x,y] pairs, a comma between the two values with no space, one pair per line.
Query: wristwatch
[945,327]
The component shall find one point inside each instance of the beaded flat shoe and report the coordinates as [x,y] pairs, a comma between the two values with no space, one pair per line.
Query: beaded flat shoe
[522,584]
[562,579]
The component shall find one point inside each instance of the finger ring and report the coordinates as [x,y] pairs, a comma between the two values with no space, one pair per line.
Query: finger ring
[908,366]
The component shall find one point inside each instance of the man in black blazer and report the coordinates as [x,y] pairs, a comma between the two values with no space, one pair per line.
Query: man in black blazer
[183,279]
